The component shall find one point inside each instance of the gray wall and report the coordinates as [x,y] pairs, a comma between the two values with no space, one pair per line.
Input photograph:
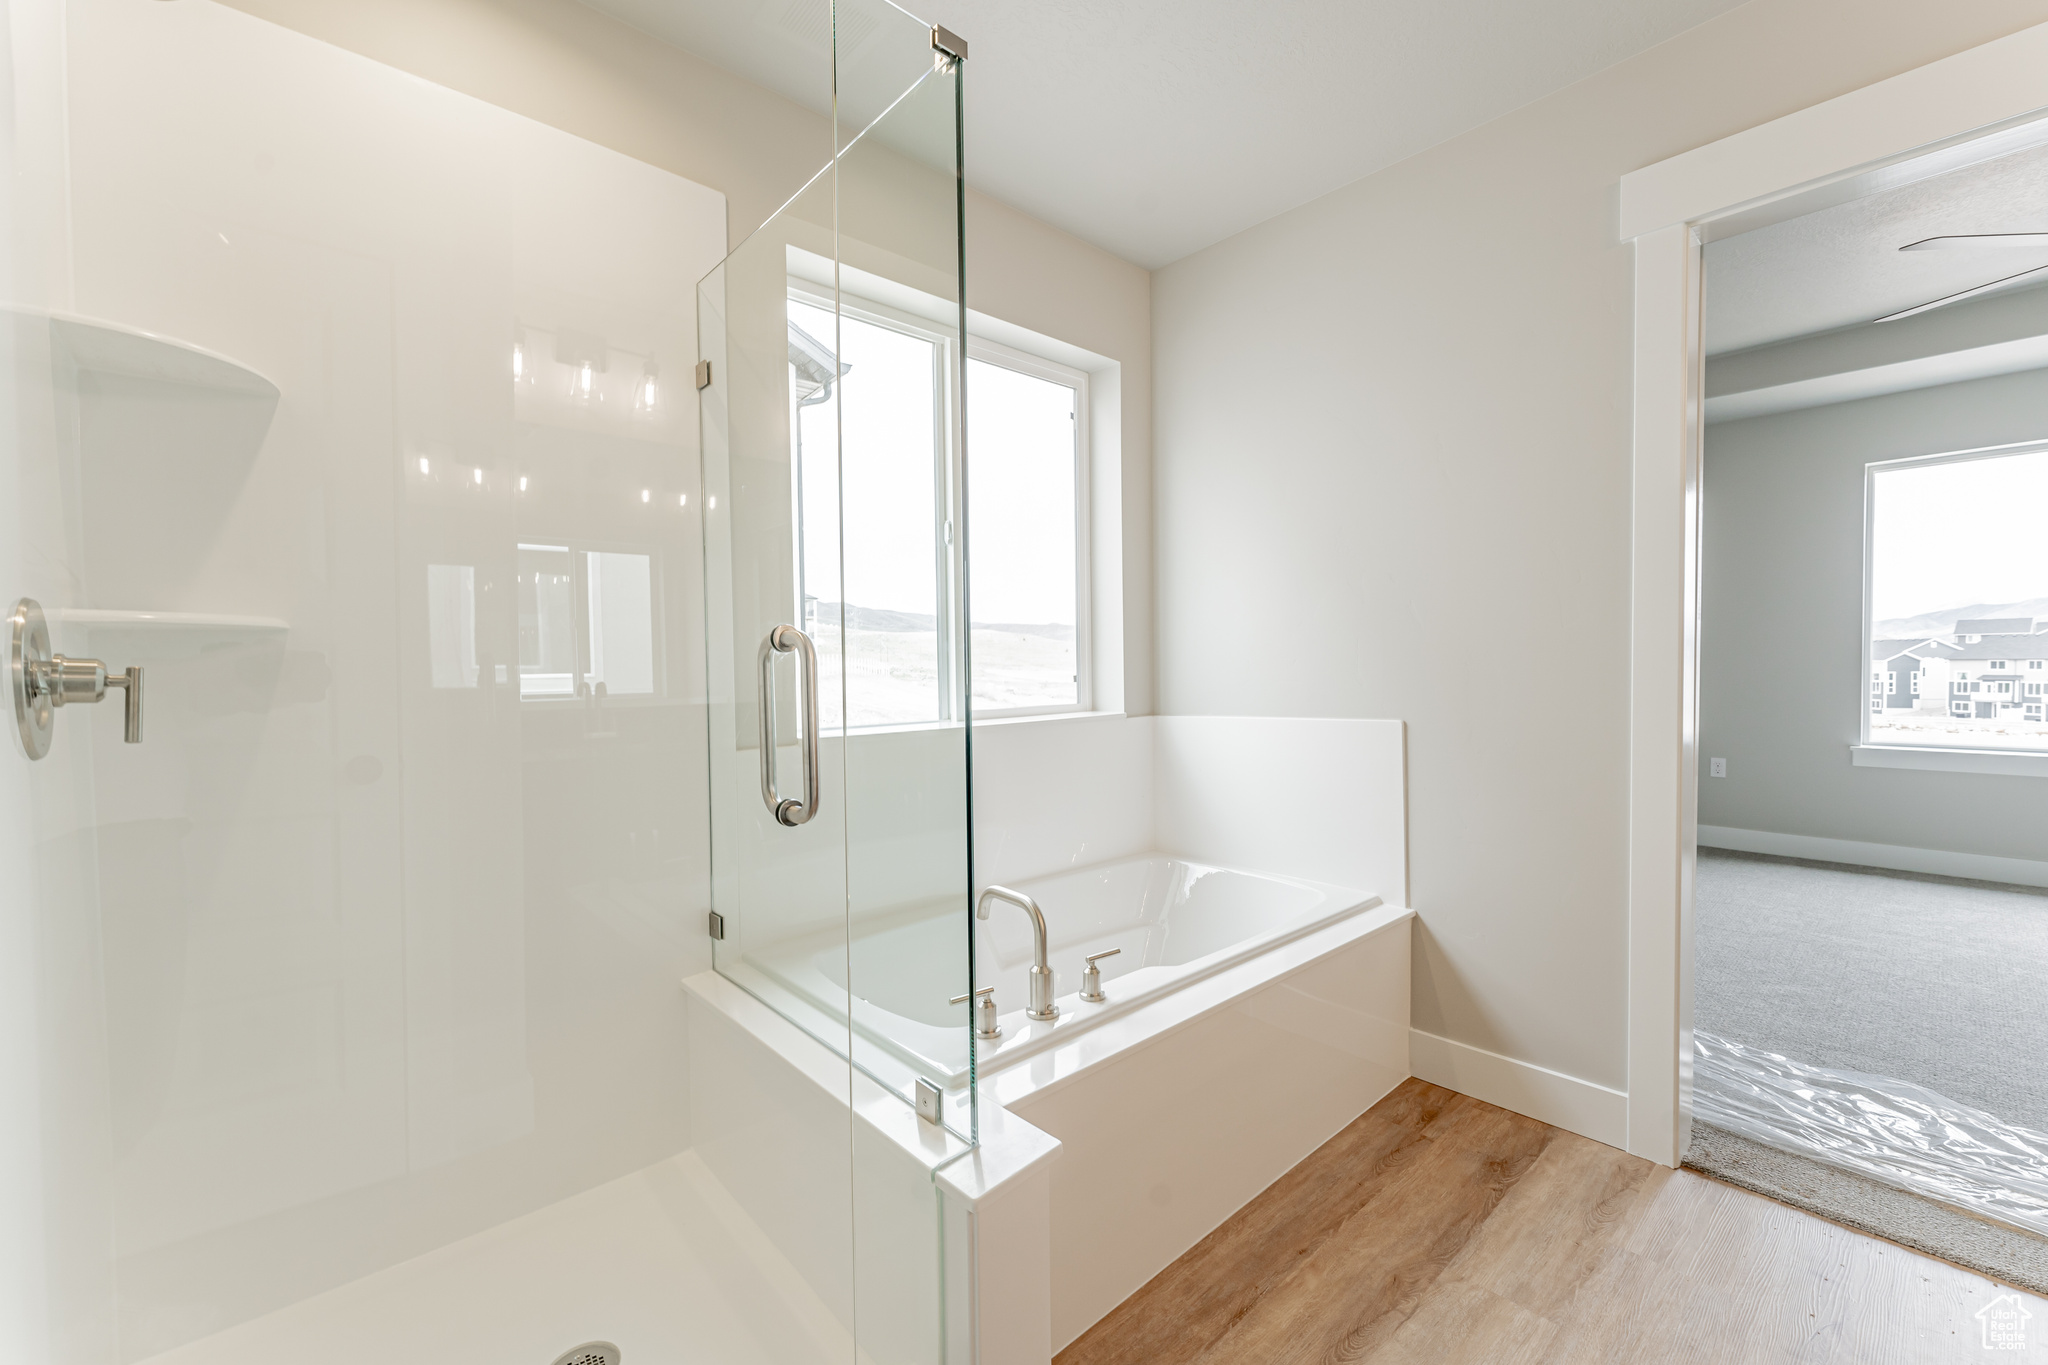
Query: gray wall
[1393,454]
[1781,678]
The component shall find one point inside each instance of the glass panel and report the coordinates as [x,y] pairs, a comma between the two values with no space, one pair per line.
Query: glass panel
[781,888]
[1022,508]
[907,857]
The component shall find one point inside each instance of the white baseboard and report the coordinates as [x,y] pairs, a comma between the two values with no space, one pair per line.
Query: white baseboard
[1552,1097]
[1899,858]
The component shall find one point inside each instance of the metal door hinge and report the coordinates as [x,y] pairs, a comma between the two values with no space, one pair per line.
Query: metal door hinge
[718,926]
[928,1096]
[703,374]
[949,44]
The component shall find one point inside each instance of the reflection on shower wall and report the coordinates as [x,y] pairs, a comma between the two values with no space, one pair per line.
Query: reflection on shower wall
[397,894]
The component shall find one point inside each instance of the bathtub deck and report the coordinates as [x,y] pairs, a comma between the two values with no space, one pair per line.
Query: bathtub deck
[1439,1229]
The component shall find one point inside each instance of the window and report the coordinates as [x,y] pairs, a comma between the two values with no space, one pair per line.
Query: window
[586,622]
[870,454]
[1954,539]
[876,488]
[2033,663]
[1024,514]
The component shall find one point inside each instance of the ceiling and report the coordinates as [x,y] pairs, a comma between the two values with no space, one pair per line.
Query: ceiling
[1154,128]
[1842,266]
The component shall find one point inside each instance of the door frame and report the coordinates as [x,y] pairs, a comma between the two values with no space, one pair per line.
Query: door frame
[1980,103]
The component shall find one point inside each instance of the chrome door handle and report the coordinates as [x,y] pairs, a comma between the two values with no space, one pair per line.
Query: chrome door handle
[43,681]
[786,640]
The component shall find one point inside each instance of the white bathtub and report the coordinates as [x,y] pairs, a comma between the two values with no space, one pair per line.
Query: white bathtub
[1175,921]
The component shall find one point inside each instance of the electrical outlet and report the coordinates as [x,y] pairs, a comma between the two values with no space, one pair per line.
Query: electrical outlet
[1717,767]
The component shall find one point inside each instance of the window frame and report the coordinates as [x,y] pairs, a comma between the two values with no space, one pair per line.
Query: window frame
[1052,371]
[1865,752]
[950,509]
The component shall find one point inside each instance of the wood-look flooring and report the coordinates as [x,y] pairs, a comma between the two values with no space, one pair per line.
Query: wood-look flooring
[1439,1229]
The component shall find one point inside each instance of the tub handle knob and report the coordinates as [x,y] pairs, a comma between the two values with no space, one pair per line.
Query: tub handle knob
[985,1025]
[1091,979]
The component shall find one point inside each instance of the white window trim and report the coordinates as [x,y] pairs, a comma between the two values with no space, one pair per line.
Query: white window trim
[956,694]
[2001,762]
[1009,357]
[1865,754]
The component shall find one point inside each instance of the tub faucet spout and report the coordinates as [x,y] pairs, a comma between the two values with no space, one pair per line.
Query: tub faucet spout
[1041,1006]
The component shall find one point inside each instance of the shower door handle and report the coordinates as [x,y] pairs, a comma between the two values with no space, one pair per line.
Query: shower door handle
[787,640]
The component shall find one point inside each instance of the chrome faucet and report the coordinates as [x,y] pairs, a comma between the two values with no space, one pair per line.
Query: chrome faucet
[1041,1006]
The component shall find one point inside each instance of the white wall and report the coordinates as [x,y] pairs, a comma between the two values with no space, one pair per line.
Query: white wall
[1782,682]
[1393,458]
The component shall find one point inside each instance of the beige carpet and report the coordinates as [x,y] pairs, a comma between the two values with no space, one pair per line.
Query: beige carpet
[1933,980]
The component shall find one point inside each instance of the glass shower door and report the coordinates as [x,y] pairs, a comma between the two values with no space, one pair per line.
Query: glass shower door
[835,589]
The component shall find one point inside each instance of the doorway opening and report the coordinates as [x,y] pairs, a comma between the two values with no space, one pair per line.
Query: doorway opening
[1870,908]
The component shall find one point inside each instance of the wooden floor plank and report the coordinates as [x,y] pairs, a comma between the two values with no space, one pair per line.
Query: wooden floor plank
[1352,1293]
[1184,1310]
[1439,1229]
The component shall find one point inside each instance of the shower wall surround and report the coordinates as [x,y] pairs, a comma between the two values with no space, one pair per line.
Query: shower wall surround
[382,920]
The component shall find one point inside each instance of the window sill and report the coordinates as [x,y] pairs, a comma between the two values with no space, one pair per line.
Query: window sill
[929,726]
[1996,761]
[1041,717]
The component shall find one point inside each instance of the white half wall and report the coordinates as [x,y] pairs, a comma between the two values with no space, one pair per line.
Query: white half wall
[1058,793]
[1168,1139]
[1316,798]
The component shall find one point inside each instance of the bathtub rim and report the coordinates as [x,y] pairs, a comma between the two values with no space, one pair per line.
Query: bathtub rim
[1022,1037]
